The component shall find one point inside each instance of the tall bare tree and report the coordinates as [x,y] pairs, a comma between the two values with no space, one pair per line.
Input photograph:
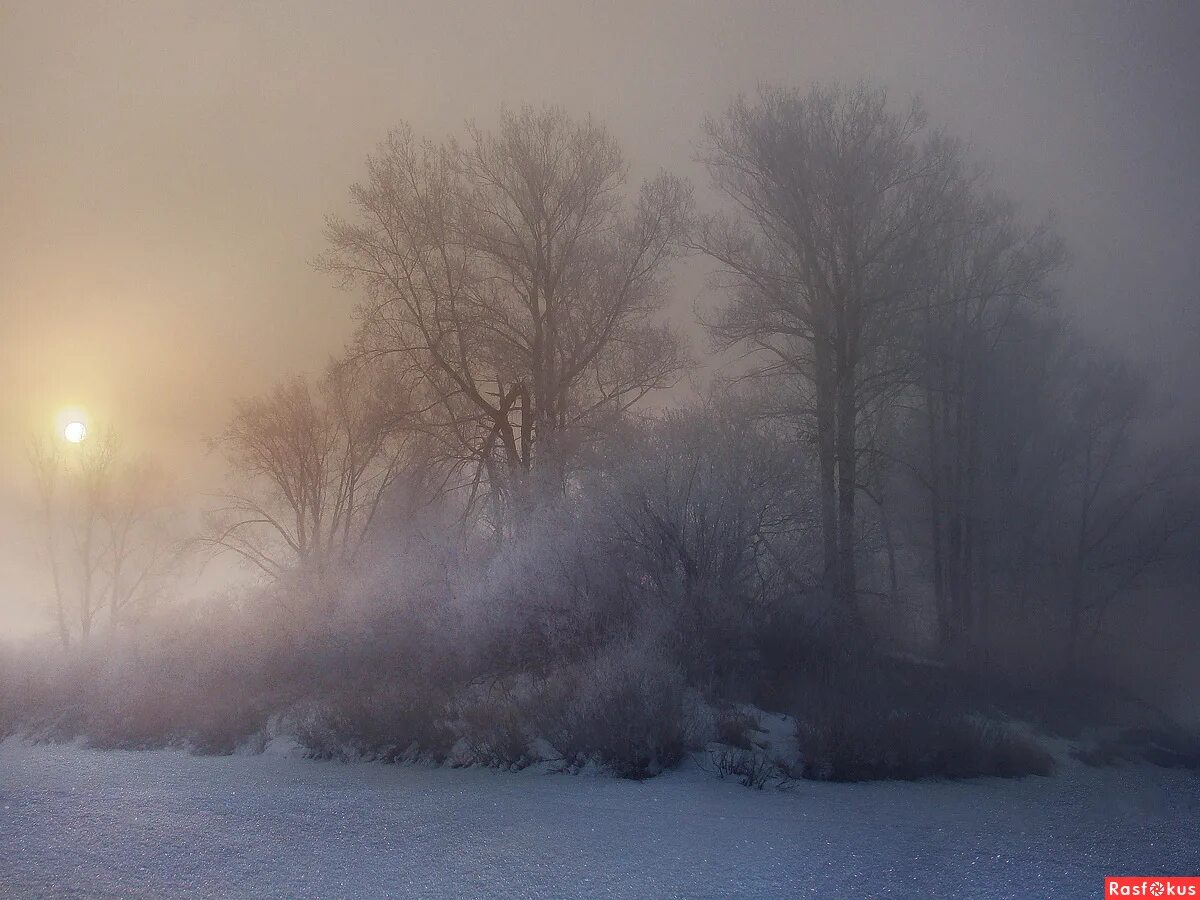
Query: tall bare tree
[836,196]
[515,274]
[989,274]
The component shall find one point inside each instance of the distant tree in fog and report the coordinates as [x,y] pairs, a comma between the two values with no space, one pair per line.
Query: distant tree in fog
[520,278]
[107,539]
[837,197]
[46,459]
[141,548]
[1124,503]
[989,274]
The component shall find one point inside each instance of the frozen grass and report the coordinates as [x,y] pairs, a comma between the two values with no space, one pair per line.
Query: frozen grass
[85,823]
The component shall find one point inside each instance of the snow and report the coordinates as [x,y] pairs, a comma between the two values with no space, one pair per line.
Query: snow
[76,822]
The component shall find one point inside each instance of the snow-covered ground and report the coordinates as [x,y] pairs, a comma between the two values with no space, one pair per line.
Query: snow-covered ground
[84,823]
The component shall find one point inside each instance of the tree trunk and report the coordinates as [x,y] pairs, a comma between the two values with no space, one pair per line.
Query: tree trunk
[885,521]
[827,461]
[936,543]
[847,487]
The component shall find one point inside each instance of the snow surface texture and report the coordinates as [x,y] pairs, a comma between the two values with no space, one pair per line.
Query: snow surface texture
[84,823]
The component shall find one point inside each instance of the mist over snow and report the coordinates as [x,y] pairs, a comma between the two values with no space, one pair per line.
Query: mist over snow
[670,449]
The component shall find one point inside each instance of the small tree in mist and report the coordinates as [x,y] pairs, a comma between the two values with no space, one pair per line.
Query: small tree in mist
[514,271]
[105,523]
[312,464]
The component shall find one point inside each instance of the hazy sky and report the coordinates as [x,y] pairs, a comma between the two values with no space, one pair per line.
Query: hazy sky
[164,168]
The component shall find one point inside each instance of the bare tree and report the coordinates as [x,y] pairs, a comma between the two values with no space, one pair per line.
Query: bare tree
[1125,500]
[836,197]
[93,474]
[46,459]
[105,530]
[988,275]
[515,275]
[141,551]
[312,466]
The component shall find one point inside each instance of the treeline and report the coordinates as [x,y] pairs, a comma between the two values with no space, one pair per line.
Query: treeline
[479,541]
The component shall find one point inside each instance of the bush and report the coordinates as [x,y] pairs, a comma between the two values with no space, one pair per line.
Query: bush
[734,727]
[390,723]
[627,710]
[847,745]
[494,723]
[752,768]
[1169,748]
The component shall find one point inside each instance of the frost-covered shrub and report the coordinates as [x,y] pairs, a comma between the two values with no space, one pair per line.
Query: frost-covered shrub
[550,595]
[626,709]
[16,690]
[194,691]
[389,722]
[496,722]
[863,717]
[845,745]
[109,706]
[708,518]
[691,528]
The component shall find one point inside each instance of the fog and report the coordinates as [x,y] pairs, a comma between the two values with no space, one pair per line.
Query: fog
[167,169]
[760,393]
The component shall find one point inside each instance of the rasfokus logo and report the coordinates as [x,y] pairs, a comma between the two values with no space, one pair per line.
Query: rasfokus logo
[1151,886]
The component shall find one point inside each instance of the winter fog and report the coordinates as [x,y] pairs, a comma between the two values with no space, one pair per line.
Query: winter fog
[705,406]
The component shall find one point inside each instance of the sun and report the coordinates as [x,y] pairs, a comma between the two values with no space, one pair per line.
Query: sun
[75,432]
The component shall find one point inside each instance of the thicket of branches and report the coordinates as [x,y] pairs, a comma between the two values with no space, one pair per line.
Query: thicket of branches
[474,536]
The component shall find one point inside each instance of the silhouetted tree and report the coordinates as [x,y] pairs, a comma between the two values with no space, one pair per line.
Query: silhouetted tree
[837,197]
[106,531]
[312,464]
[513,271]
[988,274]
